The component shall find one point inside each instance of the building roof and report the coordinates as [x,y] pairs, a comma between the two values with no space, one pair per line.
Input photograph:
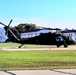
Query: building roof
[36,30]
[68,31]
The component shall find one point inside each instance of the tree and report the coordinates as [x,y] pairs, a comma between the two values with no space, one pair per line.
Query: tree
[23,27]
[66,29]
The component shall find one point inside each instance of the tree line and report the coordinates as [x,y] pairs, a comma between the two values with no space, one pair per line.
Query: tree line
[24,27]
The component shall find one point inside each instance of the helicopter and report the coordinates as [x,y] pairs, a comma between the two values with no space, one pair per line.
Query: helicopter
[55,38]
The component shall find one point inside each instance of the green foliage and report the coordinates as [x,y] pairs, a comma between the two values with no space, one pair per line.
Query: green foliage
[23,27]
[9,44]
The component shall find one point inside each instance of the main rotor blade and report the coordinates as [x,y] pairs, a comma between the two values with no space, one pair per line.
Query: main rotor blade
[13,34]
[9,23]
[48,28]
[2,24]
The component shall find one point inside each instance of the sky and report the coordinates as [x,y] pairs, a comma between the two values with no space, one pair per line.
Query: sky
[44,13]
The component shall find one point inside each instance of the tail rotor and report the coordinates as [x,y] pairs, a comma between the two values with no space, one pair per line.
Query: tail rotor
[8,29]
[6,26]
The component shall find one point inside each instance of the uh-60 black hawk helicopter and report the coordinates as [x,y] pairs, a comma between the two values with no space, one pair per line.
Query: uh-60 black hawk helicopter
[55,38]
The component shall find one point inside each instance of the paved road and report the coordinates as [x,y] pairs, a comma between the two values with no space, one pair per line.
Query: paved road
[39,48]
[40,72]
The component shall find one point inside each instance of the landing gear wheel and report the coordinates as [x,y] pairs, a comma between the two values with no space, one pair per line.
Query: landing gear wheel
[65,46]
[58,46]
[19,47]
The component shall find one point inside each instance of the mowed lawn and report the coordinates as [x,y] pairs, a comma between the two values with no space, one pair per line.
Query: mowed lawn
[16,45]
[32,60]
[9,44]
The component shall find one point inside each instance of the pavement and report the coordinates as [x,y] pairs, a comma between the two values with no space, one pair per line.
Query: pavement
[38,48]
[41,72]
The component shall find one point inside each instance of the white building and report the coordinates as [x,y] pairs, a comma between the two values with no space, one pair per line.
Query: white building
[71,34]
[33,33]
[3,37]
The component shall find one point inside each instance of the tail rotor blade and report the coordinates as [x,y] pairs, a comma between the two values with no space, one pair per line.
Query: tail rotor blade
[9,23]
[2,24]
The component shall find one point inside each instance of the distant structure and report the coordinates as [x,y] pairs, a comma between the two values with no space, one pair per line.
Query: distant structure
[33,33]
[3,37]
[71,34]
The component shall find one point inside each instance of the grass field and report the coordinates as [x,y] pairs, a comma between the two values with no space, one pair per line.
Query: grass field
[9,44]
[16,45]
[24,60]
